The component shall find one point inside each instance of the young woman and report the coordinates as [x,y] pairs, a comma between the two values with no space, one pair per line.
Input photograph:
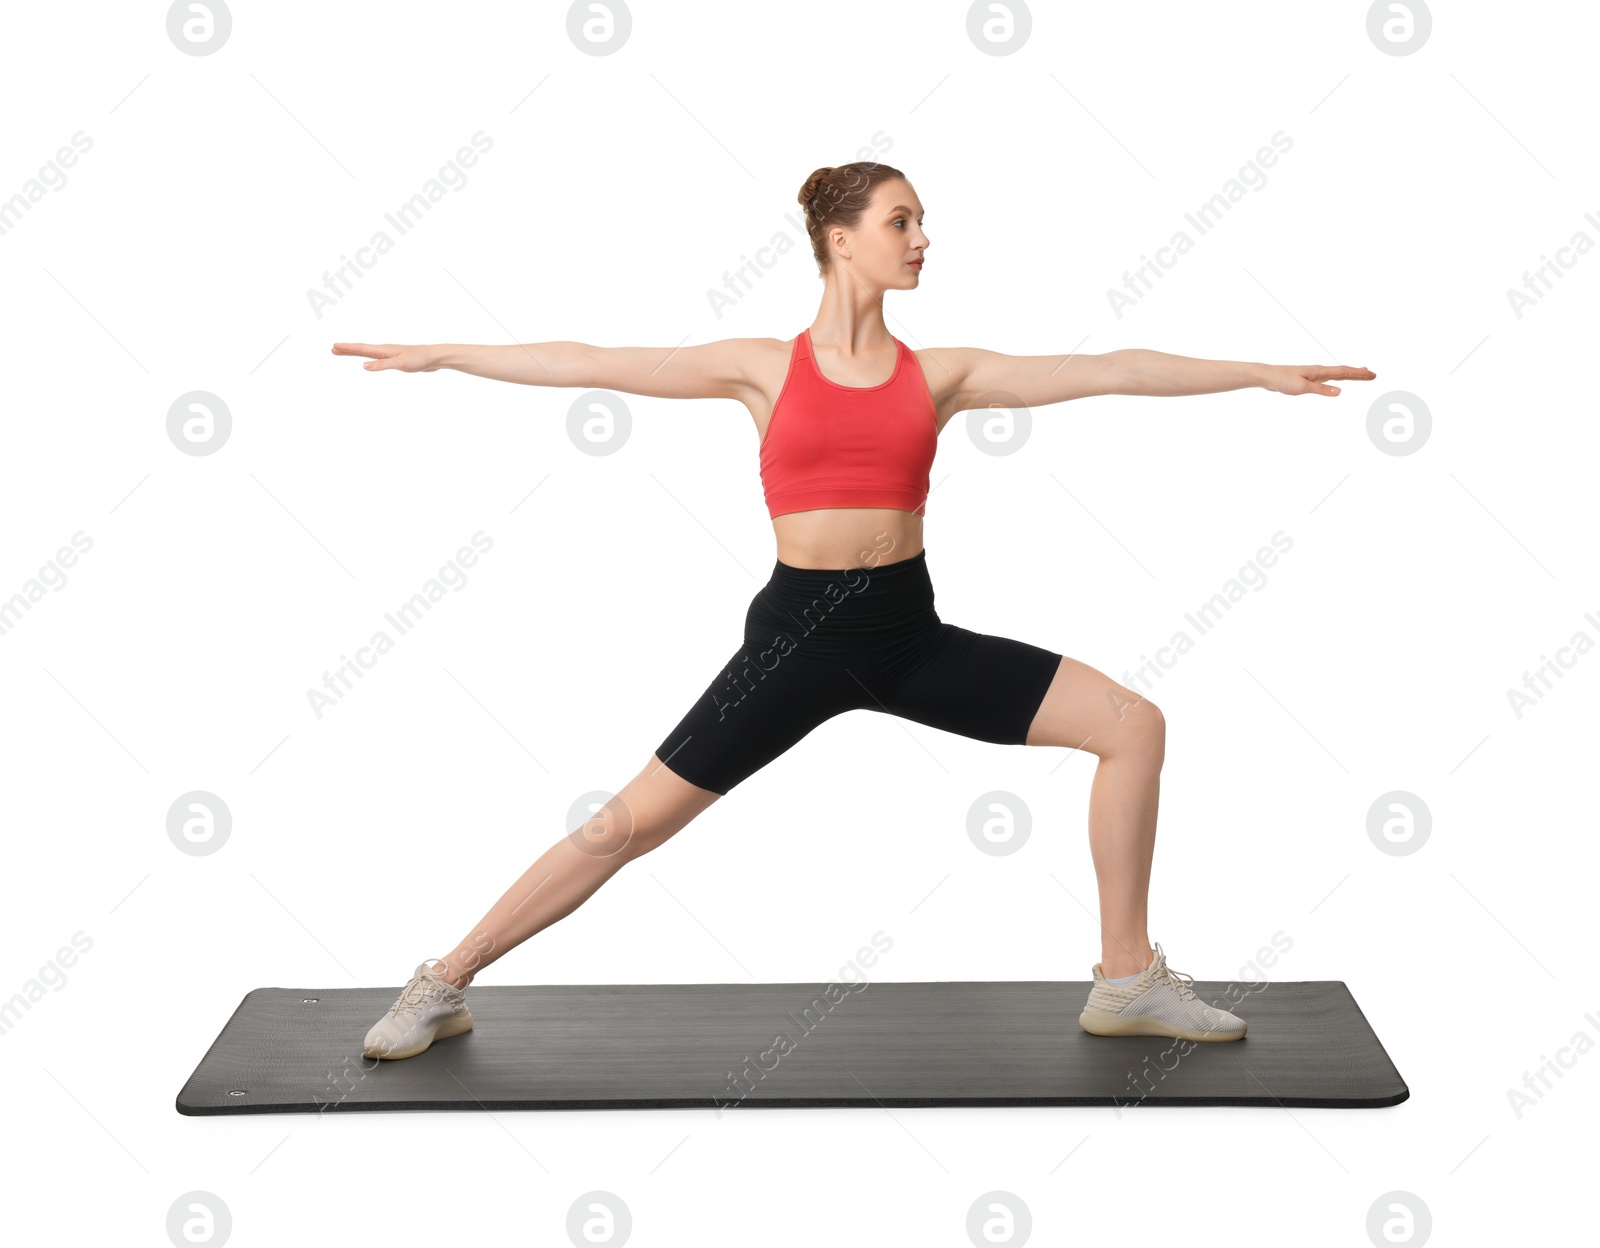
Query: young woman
[849,418]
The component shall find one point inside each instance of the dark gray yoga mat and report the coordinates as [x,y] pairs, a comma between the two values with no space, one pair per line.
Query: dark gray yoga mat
[660,1046]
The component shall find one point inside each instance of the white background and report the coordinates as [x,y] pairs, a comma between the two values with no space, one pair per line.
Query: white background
[618,192]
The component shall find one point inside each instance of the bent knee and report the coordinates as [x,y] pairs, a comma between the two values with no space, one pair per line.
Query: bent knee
[1140,728]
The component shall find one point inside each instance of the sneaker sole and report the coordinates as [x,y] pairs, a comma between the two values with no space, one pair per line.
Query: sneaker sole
[455,1025]
[1104,1023]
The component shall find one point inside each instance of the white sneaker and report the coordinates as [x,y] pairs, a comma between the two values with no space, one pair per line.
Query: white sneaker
[429,1008]
[1159,1003]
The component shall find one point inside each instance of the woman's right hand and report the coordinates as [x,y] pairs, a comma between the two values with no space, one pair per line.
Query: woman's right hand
[388,355]
[712,370]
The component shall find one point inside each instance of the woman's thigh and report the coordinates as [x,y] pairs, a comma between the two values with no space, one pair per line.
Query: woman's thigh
[976,684]
[762,702]
[1085,709]
[997,689]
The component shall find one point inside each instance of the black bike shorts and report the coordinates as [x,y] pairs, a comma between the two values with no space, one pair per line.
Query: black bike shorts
[821,641]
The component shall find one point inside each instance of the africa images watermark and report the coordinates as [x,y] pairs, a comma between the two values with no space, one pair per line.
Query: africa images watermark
[1537,683]
[829,596]
[1251,177]
[50,177]
[1153,1069]
[739,282]
[450,577]
[1251,578]
[339,282]
[51,576]
[52,976]
[1537,1082]
[1537,284]
[852,980]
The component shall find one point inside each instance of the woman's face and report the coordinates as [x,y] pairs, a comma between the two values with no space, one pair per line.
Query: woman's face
[886,248]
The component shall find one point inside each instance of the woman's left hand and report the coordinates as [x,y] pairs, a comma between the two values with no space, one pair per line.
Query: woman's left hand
[1309,378]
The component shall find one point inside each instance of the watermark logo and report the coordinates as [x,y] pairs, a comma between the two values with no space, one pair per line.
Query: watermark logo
[602,824]
[199,1217]
[1398,823]
[999,823]
[999,1217]
[599,29]
[999,423]
[997,28]
[1399,1218]
[599,1217]
[1399,29]
[198,423]
[1398,423]
[199,29]
[199,823]
[599,422]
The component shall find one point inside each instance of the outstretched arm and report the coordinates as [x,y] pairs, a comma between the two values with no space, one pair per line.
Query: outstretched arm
[1039,379]
[712,370]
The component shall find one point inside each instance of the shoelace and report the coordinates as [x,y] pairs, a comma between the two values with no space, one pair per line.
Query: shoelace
[417,993]
[1177,979]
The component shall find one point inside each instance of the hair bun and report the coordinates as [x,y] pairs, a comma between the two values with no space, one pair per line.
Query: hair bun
[850,189]
[813,185]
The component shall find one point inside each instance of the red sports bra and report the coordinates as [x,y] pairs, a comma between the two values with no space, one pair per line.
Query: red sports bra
[829,445]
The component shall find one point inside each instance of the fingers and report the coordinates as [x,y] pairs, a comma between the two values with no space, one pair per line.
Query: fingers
[362,348]
[1315,374]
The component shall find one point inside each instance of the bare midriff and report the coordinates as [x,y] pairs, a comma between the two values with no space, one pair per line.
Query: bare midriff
[847,537]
